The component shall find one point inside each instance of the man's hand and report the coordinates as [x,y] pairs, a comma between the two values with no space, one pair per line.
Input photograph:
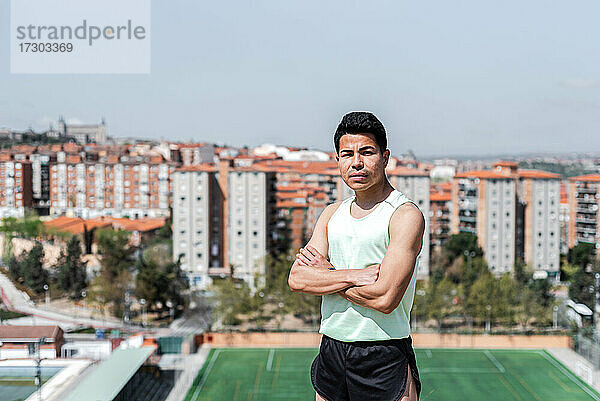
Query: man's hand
[309,256]
[366,276]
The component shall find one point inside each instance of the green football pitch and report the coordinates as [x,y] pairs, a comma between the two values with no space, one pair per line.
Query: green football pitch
[257,374]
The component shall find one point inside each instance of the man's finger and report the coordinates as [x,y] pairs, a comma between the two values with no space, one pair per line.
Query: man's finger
[305,259]
[313,251]
[300,262]
[307,253]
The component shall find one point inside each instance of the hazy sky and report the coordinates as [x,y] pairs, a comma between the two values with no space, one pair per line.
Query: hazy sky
[445,77]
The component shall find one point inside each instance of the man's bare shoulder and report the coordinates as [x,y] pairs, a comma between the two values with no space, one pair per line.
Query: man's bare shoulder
[330,210]
[407,218]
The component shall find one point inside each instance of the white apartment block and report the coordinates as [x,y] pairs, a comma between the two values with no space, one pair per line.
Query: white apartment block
[540,194]
[250,200]
[514,214]
[192,224]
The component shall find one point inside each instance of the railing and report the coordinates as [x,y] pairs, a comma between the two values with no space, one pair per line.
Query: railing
[586,190]
[591,200]
[587,230]
[586,210]
[585,220]
[589,239]
[588,349]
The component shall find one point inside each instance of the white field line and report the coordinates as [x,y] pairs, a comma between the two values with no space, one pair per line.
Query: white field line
[494,361]
[270,361]
[206,373]
[428,352]
[456,370]
[569,375]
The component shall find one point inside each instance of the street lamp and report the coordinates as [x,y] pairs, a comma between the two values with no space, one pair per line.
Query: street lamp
[83,295]
[38,362]
[171,311]
[47,296]
[555,316]
[487,324]
[143,303]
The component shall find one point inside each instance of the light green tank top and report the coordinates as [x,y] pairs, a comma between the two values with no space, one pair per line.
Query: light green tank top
[357,243]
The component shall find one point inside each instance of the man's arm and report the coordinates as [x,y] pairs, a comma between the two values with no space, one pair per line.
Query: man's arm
[313,276]
[406,236]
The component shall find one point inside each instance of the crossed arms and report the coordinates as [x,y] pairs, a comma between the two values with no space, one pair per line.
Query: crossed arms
[379,287]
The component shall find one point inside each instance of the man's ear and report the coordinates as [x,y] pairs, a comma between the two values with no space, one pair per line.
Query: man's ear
[386,156]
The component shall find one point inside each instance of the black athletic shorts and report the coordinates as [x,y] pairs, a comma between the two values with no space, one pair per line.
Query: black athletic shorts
[364,370]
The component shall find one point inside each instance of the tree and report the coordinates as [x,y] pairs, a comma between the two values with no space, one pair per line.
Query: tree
[579,290]
[116,271]
[232,298]
[483,300]
[462,242]
[32,269]
[472,269]
[439,299]
[583,254]
[72,276]
[160,279]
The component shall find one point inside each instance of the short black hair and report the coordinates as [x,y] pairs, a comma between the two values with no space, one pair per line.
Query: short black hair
[361,122]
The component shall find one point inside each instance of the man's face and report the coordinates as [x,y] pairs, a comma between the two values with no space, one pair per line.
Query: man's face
[360,162]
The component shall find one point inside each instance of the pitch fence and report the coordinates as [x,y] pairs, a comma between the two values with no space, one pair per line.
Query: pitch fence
[589,349]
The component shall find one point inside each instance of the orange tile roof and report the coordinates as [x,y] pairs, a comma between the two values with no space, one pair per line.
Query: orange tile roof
[506,164]
[446,186]
[407,171]
[290,204]
[587,177]
[537,174]
[76,225]
[440,197]
[483,174]
[198,167]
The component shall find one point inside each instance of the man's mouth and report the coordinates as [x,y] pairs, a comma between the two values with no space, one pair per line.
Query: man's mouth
[358,177]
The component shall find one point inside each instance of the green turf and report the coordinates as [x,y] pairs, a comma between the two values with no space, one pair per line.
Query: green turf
[251,374]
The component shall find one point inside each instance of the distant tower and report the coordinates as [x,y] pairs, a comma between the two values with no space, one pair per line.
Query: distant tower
[62,127]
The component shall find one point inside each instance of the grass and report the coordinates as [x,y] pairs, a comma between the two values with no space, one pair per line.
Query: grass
[252,374]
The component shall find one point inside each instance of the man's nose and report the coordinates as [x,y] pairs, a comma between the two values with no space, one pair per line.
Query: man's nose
[357,162]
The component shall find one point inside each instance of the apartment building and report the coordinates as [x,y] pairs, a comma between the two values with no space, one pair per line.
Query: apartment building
[484,203]
[299,207]
[251,223]
[539,198]
[224,221]
[196,226]
[134,187]
[440,200]
[584,200]
[40,165]
[513,212]
[15,186]
[564,219]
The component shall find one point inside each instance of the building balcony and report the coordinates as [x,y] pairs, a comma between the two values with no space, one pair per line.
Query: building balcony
[472,230]
[582,219]
[588,200]
[469,219]
[588,230]
[586,190]
[589,240]
[587,210]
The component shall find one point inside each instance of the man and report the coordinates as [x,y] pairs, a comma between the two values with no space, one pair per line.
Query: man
[362,259]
